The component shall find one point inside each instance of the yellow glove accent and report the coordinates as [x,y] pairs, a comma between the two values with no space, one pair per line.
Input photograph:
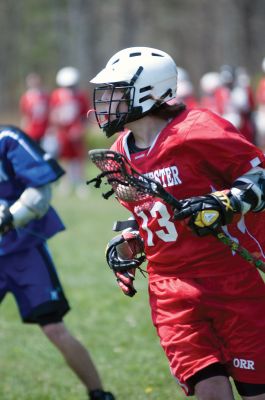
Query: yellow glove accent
[224,199]
[206,218]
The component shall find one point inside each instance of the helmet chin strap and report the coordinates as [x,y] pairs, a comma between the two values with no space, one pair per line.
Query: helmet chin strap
[120,122]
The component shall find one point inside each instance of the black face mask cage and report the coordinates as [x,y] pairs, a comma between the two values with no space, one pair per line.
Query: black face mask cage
[103,108]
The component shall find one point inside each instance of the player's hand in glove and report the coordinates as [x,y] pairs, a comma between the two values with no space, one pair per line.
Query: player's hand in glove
[125,282]
[207,213]
[121,256]
[6,219]
[122,250]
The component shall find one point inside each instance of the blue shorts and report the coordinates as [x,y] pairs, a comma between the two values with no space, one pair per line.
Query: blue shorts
[31,277]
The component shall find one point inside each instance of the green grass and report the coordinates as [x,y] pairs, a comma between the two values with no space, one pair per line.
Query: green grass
[117,330]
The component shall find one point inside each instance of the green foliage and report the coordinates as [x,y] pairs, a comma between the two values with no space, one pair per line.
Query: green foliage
[116,329]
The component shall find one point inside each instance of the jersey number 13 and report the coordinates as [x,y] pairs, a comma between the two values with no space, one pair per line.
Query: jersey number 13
[161,214]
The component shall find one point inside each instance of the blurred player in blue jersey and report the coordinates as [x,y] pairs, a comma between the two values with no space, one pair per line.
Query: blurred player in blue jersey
[26,268]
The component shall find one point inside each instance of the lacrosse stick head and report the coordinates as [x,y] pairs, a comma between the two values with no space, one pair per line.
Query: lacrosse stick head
[127,183]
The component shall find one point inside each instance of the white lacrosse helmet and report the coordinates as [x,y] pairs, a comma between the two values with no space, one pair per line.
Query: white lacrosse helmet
[209,82]
[148,77]
[67,77]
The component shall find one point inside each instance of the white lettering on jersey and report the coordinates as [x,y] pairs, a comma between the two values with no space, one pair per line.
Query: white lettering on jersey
[168,176]
[243,364]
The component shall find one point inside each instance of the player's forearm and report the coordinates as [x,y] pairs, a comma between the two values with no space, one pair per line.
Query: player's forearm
[208,213]
[248,191]
[33,203]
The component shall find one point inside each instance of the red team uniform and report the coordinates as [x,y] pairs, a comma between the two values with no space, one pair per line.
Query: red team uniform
[260,94]
[260,114]
[241,117]
[191,278]
[34,107]
[68,109]
[207,302]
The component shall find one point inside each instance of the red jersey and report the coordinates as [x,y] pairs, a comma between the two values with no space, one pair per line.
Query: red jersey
[67,106]
[68,110]
[196,153]
[260,93]
[239,113]
[34,106]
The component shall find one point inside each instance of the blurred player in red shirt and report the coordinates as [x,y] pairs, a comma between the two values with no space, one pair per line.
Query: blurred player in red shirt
[207,302]
[260,93]
[68,120]
[260,114]
[185,92]
[235,100]
[209,83]
[34,108]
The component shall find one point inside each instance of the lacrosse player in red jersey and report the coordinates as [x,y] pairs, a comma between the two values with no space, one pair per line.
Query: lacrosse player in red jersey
[68,121]
[260,113]
[34,108]
[207,302]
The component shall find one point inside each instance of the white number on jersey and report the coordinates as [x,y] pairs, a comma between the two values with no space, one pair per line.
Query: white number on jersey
[160,212]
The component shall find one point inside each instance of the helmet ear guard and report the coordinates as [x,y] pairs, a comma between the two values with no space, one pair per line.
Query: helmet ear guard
[149,77]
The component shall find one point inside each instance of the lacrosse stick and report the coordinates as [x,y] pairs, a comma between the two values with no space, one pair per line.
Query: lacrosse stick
[130,185]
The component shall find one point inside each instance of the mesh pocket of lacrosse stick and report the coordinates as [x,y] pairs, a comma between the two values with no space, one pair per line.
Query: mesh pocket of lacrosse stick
[126,182]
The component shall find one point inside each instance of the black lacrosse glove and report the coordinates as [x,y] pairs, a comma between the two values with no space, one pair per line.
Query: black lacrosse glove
[207,213]
[125,282]
[6,219]
[124,268]
[115,261]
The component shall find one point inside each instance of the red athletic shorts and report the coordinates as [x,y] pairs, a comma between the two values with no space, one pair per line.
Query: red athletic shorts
[207,320]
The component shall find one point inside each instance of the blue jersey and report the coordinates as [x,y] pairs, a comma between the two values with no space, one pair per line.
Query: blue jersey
[23,164]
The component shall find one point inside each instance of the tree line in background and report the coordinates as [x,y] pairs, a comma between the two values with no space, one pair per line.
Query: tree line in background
[201,35]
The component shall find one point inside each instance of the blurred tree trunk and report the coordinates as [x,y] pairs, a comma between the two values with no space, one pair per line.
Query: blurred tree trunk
[10,18]
[200,35]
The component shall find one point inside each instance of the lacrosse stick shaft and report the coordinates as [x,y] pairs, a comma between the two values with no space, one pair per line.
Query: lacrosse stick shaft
[242,251]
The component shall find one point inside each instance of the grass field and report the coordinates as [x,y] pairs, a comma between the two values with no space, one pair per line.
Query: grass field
[116,329]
